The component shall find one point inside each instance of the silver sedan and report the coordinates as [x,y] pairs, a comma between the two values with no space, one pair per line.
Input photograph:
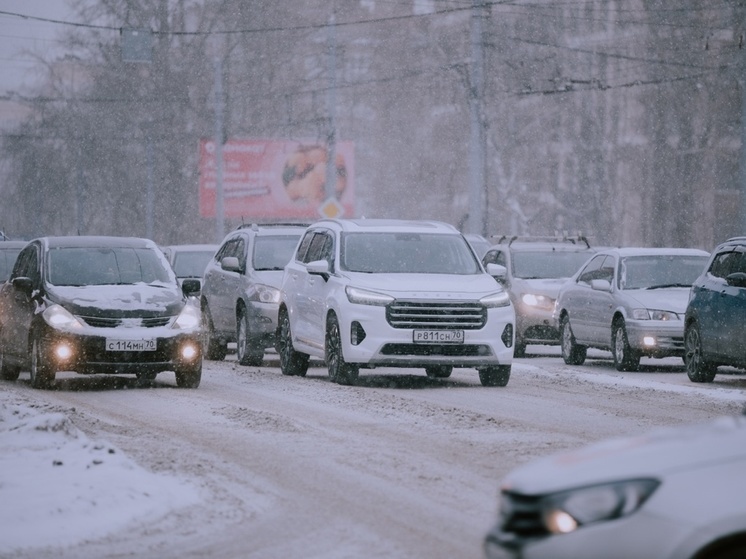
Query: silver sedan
[630,301]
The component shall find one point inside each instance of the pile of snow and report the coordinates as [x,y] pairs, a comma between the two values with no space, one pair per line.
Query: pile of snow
[59,488]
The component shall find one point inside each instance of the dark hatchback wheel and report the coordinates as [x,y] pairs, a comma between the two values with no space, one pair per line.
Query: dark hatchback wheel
[42,373]
[8,371]
[189,376]
[697,369]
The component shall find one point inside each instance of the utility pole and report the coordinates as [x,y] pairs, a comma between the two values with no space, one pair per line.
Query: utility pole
[477,194]
[219,197]
[330,186]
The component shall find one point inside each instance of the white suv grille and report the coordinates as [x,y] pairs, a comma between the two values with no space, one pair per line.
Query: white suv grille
[436,314]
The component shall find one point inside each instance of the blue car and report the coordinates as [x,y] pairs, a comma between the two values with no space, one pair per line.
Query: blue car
[716,313]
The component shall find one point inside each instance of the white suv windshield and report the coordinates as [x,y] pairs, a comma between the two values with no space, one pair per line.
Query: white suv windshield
[407,253]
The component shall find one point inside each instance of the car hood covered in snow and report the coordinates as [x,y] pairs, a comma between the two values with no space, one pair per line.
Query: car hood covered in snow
[649,455]
[120,301]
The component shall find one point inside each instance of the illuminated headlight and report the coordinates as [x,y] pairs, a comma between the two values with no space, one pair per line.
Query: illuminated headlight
[497,299]
[266,294]
[188,319]
[188,352]
[540,301]
[365,297]
[61,319]
[652,314]
[567,511]
[63,352]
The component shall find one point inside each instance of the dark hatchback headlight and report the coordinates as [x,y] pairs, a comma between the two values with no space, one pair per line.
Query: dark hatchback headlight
[568,511]
[59,318]
[189,318]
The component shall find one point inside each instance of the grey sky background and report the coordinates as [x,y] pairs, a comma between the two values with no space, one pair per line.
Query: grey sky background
[18,36]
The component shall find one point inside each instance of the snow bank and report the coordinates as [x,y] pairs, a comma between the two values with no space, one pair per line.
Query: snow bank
[58,488]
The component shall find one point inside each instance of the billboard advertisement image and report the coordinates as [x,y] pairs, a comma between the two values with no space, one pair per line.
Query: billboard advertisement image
[268,179]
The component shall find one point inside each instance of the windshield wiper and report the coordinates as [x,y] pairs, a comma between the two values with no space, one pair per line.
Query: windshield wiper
[665,285]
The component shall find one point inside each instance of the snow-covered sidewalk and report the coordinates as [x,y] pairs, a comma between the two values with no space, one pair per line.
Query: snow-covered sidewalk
[58,487]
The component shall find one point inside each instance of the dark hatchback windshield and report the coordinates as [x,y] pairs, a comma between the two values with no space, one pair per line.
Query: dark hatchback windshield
[105,266]
[407,253]
[548,264]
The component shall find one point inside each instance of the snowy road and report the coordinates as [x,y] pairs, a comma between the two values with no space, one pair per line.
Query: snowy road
[398,466]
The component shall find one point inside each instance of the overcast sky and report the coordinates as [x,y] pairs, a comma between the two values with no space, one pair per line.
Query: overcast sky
[18,35]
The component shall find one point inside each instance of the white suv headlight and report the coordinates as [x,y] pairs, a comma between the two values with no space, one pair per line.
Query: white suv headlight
[567,511]
[365,297]
[497,299]
[60,318]
[188,319]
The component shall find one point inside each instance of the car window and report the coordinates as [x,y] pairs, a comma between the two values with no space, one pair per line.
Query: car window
[7,260]
[191,264]
[407,253]
[593,270]
[658,271]
[547,264]
[320,248]
[273,252]
[300,254]
[105,266]
[726,263]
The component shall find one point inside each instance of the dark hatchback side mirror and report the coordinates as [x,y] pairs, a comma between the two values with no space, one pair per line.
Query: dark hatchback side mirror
[23,284]
[191,286]
[736,279]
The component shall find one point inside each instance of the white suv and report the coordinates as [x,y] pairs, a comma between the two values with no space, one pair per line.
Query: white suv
[388,293]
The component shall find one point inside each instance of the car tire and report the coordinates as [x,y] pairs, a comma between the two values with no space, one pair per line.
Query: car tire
[214,348]
[42,373]
[8,371]
[572,353]
[248,352]
[189,376]
[498,375]
[292,363]
[439,371]
[697,369]
[340,371]
[625,358]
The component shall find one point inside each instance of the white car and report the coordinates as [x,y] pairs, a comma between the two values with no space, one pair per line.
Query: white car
[630,301]
[391,293]
[673,493]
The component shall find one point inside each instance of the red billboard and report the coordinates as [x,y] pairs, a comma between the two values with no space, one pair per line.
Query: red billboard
[276,179]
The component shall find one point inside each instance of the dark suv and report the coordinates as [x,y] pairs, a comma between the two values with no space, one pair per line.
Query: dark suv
[716,313]
[240,295]
[536,267]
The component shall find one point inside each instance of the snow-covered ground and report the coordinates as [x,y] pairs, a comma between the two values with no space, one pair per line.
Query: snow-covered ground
[59,487]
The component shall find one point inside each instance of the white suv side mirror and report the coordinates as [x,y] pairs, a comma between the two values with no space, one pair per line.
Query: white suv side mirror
[230,263]
[320,267]
[497,271]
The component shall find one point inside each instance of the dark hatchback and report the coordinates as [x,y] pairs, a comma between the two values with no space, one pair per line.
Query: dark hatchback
[97,305]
